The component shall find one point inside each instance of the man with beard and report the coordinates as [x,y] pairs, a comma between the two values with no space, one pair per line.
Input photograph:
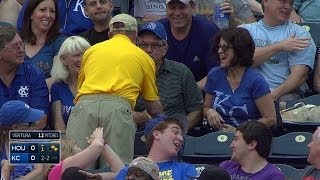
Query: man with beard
[99,12]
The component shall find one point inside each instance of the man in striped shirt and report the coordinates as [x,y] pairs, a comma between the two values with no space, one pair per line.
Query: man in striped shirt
[178,90]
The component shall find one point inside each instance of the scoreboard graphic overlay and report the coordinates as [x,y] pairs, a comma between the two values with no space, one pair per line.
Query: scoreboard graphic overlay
[34,147]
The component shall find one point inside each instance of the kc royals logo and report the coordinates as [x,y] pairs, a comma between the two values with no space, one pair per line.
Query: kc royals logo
[23,91]
[151,25]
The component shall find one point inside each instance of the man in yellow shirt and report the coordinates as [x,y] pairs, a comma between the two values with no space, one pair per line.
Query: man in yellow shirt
[112,75]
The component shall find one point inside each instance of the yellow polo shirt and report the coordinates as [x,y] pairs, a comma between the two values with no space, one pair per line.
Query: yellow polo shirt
[117,66]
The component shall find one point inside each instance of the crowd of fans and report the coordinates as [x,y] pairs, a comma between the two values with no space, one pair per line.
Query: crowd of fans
[77,67]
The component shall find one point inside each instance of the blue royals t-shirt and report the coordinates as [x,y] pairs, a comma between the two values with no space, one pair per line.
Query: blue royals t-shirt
[60,91]
[238,106]
[168,170]
[43,59]
[195,50]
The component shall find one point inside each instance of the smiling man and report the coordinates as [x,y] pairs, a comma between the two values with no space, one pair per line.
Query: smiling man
[250,149]
[19,80]
[177,88]
[164,138]
[100,13]
[285,52]
[189,38]
[312,172]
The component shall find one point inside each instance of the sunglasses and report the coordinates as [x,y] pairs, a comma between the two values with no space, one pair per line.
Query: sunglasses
[224,48]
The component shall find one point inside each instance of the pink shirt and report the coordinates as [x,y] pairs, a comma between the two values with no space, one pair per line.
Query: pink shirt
[56,172]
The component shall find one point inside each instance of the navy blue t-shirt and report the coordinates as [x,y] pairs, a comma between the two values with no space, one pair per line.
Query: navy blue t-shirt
[60,91]
[195,51]
[29,86]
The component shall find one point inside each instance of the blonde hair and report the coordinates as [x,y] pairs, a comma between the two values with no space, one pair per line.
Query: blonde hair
[67,148]
[59,71]
[4,136]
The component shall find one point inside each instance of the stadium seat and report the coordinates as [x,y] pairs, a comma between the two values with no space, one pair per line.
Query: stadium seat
[289,171]
[313,29]
[189,144]
[315,100]
[291,149]
[212,148]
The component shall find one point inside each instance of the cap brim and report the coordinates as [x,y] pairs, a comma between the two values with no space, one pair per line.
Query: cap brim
[5,24]
[184,2]
[148,30]
[34,115]
[183,119]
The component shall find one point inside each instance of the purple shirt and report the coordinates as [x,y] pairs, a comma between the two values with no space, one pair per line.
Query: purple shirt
[269,172]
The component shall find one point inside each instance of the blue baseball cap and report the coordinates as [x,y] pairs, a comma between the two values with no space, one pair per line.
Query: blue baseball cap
[156,28]
[5,24]
[152,123]
[13,112]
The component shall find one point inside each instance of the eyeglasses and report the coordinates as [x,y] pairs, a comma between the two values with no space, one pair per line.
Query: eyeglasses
[16,46]
[144,45]
[223,48]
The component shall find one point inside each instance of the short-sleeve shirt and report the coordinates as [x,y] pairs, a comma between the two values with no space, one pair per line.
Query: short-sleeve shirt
[276,69]
[236,106]
[43,59]
[310,173]
[178,91]
[308,10]
[60,91]
[168,170]
[95,37]
[269,172]
[195,51]
[29,86]
[117,66]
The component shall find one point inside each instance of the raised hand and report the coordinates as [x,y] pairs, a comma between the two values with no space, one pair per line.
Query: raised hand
[96,137]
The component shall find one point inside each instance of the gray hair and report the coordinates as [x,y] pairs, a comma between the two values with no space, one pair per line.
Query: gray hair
[59,71]
[7,34]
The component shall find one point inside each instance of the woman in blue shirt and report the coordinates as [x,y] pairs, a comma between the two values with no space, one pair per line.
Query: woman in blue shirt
[235,92]
[64,72]
[40,33]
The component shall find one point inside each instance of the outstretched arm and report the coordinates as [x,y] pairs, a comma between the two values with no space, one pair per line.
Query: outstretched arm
[112,159]
[89,155]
